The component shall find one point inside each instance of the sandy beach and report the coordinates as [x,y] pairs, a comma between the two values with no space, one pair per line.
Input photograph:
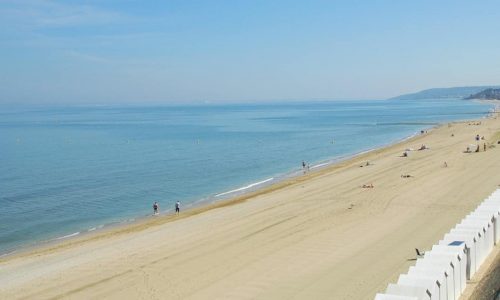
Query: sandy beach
[318,236]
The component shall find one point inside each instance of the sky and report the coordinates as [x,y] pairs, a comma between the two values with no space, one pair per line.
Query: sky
[125,51]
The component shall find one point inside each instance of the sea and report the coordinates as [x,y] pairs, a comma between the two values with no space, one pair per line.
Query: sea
[69,170]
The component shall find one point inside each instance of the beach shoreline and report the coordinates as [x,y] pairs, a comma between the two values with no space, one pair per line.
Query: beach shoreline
[212,202]
[353,210]
[249,191]
[130,208]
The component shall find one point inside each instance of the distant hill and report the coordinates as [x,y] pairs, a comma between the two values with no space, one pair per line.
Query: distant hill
[445,93]
[487,94]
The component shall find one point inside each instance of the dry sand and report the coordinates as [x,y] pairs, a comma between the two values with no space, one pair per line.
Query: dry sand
[320,236]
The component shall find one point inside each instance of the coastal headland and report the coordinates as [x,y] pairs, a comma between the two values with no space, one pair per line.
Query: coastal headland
[319,236]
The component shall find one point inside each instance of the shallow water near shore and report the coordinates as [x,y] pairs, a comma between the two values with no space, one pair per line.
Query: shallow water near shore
[69,170]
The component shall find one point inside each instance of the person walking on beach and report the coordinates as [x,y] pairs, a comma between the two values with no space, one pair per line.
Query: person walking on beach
[177,207]
[155,208]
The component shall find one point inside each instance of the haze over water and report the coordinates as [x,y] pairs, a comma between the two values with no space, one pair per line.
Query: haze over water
[68,170]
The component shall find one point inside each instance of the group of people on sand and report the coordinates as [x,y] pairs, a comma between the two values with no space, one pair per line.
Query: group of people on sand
[477,147]
[445,164]
[156,208]
[475,123]
[422,147]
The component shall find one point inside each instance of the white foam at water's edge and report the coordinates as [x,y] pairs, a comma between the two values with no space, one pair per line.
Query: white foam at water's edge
[95,228]
[245,187]
[67,236]
[320,165]
[7,253]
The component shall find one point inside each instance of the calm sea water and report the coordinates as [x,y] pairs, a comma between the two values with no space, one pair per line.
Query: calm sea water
[75,169]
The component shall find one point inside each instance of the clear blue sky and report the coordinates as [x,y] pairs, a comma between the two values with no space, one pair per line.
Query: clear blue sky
[111,51]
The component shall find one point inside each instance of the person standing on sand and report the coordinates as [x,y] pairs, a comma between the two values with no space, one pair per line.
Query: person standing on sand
[155,208]
[177,207]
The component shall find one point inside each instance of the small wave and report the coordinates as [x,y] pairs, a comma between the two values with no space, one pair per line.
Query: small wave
[8,253]
[320,165]
[245,187]
[95,228]
[67,236]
